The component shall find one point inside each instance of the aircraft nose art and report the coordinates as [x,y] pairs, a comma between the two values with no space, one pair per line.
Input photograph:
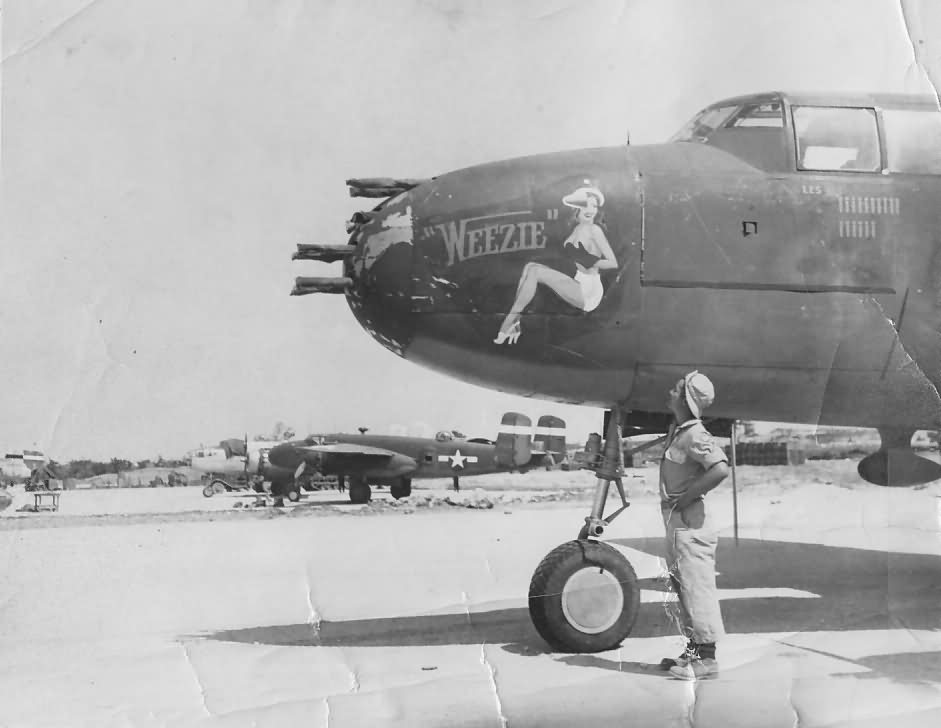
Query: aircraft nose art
[441,264]
[545,237]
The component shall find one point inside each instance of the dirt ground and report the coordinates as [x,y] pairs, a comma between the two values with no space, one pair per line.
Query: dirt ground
[136,505]
[159,607]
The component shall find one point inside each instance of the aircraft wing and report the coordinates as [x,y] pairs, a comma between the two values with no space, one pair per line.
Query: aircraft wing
[348,449]
[330,456]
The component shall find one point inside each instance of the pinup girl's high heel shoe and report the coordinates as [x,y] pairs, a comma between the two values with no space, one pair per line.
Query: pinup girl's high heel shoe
[510,336]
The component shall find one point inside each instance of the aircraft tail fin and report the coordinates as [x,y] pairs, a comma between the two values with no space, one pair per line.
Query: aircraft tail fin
[234,447]
[514,440]
[550,437]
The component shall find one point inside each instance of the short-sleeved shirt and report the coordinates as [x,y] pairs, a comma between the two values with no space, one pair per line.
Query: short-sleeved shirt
[690,451]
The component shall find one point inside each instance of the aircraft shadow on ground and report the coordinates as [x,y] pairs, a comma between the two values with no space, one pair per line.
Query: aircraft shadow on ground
[857,590]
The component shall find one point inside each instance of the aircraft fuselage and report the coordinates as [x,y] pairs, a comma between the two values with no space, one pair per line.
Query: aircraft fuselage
[413,457]
[793,257]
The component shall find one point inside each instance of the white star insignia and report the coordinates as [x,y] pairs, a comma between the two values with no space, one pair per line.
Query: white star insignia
[457,460]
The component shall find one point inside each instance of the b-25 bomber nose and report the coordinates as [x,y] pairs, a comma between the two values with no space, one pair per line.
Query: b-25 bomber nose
[480,268]
[377,261]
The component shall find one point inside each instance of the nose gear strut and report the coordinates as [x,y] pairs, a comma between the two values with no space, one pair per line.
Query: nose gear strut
[609,467]
[584,595]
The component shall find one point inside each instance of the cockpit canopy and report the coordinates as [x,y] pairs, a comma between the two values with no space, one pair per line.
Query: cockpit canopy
[759,114]
[800,132]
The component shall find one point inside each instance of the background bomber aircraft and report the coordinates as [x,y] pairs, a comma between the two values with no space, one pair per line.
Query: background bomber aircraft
[395,460]
[788,245]
[380,459]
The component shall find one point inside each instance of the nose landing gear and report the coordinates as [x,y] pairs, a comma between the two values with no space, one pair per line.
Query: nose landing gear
[584,596]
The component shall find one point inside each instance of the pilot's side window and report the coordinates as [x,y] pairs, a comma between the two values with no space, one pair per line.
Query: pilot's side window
[913,141]
[836,139]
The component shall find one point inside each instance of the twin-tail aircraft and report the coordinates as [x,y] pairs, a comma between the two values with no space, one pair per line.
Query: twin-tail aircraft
[787,245]
[395,460]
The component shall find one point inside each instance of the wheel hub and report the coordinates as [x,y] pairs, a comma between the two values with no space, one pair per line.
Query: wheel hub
[592,600]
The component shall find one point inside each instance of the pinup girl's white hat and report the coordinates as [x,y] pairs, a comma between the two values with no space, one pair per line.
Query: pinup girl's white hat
[579,198]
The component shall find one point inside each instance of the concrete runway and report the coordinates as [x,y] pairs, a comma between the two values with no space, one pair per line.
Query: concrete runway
[832,602]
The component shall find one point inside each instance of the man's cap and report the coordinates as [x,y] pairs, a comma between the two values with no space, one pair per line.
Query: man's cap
[699,391]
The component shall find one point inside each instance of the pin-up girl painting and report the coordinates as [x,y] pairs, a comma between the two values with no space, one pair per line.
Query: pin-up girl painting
[587,246]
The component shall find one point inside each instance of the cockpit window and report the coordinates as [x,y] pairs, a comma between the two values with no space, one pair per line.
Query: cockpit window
[764,115]
[913,141]
[703,124]
[769,115]
[836,139]
[444,436]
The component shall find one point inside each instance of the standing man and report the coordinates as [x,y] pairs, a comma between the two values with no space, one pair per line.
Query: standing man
[692,465]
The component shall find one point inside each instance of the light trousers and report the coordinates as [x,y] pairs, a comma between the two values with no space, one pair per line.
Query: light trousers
[691,561]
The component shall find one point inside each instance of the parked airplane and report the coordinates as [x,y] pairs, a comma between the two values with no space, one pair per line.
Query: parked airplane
[396,460]
[786,244]
[238,465]
[18,466]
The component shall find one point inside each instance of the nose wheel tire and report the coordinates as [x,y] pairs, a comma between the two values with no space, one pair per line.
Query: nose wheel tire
[207,491]
[584,597]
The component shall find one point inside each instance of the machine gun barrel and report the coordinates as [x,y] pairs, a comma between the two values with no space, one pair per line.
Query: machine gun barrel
[380,186]
[323,253]
[304,286]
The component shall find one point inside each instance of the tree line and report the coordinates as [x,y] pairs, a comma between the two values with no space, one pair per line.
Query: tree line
[84,469]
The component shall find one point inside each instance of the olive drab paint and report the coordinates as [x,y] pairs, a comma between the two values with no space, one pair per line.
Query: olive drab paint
[779,239]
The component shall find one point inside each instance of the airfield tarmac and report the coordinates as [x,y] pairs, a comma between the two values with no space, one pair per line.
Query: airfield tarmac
[158,607]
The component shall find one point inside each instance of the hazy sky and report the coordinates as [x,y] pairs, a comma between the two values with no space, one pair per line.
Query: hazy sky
[161,160]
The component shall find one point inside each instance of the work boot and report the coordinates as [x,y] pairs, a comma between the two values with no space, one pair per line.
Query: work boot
[680,661]
[696,669]
[688,653]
